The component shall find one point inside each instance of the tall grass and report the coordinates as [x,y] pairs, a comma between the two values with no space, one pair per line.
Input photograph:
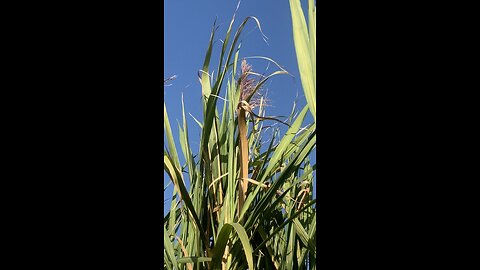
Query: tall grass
[247,206]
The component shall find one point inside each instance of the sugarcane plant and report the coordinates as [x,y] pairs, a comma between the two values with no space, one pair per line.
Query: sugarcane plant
[249,202]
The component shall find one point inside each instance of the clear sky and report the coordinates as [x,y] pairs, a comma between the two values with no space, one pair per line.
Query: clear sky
[187,28]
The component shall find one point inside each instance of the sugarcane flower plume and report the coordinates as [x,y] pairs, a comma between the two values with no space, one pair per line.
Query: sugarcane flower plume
[248,85]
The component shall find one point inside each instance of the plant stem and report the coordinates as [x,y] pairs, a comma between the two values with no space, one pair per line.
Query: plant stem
[242,131]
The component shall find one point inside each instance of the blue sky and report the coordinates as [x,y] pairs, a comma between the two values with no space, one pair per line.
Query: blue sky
[187,28]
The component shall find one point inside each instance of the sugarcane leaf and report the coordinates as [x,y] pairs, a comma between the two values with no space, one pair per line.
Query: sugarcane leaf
[305,54]
[222,238]
[168,247]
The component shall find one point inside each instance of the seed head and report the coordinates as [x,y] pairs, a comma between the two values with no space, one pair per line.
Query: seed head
[247,84]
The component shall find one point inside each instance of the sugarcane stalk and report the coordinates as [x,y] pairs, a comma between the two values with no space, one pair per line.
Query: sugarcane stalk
[243,183]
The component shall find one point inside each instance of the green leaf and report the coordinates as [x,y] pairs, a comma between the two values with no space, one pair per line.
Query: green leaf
[171,143]
[168,247]
[178,182]
[305,53]
[281,226]
[222,238]
[205,78]
[194,259]
[282,146]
